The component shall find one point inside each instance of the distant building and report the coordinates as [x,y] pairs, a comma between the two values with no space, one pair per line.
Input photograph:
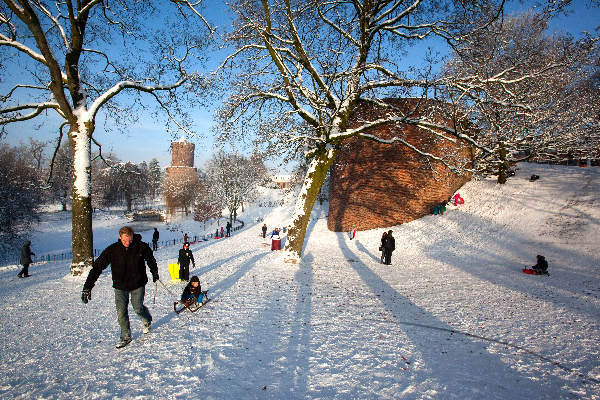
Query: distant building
[283,181]
[180,175]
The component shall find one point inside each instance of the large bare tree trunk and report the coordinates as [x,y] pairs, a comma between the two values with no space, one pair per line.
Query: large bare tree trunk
[81,209]
[315,176]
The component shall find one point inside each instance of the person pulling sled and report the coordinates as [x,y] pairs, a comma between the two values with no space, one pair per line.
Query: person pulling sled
[193,297]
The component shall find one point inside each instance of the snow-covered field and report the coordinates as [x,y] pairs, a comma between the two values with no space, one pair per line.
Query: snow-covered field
[453,317]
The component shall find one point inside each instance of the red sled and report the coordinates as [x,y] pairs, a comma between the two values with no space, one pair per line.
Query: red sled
[534,272]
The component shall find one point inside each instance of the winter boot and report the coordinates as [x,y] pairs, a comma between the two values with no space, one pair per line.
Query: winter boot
[123,343]
[146,327]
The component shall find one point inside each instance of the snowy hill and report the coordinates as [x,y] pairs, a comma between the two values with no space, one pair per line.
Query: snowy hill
[453,317]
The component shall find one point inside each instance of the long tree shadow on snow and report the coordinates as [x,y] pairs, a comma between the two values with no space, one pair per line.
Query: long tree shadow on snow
[496,263]
[276,346]
[454,360]
[197,271]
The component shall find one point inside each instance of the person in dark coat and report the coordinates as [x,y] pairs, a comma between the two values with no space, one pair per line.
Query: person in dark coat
[25,260]
[155,237]
[228,227]
[264,230]
[127,258]
[193,293]
[382,248]
[541,266]
[185,256]
[389,245]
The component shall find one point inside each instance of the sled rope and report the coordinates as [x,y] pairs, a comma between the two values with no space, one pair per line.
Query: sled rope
[167,289]
[502,342]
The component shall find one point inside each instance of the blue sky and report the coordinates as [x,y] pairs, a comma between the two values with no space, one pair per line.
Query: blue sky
[154,143]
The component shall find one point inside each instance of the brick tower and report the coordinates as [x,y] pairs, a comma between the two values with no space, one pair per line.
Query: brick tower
[182,176]
[376,185]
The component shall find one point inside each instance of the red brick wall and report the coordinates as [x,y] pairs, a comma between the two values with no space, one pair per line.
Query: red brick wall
[182,154]
[374,185]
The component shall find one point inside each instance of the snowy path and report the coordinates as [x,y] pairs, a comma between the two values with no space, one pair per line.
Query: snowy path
[453,317]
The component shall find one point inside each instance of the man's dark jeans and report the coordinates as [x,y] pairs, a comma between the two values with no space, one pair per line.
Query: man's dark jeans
[122,304]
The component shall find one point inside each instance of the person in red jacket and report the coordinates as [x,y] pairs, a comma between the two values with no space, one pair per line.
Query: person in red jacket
[127,258]
[458,200]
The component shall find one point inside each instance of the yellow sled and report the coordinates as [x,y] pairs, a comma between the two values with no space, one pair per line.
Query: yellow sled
[174,271]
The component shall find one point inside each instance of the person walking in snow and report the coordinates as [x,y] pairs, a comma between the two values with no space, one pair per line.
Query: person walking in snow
[389,245]
[382,248]
[25,260]
[155,237]
[264,230]
[228,228]
[185,256]
[127,258]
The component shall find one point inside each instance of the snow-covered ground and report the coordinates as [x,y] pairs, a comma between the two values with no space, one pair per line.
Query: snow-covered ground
[453,317]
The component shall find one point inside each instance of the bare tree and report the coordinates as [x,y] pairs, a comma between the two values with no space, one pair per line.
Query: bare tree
[300,69]
[61,184]
[20,197]
[231,178]
[534,98]
[180,190]
[74,59]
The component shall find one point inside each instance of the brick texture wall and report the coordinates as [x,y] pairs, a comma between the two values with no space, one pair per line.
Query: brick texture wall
[374,185]
[182,154]
[181,170]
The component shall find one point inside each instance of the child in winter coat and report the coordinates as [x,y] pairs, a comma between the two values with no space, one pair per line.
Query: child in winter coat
[193,294]
[541,266]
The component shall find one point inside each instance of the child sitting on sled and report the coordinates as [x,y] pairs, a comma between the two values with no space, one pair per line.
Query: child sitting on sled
[541,267]
[193,294]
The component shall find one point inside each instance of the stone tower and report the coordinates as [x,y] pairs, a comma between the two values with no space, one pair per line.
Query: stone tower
[376,185]
[182,177]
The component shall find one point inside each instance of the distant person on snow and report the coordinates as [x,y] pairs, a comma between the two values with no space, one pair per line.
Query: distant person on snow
[155,237]
[382,248]
[127,258]
[389,245]
[264,230]
[541,266]
[193,293]
[26,254]
[222,233]
[458,199]
[228,228]
[185,256]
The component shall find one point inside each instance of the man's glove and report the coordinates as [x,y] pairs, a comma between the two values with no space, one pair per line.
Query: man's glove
[86,295]
[155,278]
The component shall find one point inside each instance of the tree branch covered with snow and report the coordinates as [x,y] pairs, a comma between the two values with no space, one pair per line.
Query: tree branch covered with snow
[80,58]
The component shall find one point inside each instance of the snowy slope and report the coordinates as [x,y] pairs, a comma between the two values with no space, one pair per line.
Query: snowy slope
[453,317]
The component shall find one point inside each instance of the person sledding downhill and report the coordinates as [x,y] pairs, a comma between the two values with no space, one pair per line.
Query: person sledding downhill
[540,268]
[193,297]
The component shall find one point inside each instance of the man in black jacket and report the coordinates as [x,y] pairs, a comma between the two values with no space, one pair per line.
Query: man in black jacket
[127,258]
[389,245]
[185,256]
